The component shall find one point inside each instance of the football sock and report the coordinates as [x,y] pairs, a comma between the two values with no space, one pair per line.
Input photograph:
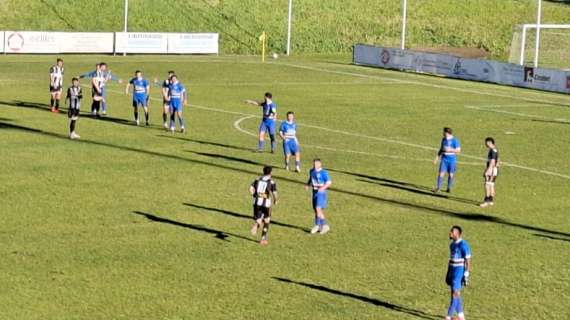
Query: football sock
[181,120]
[286,163]
[317,221]
[172,118]
[51,103]
[439,182]
[136,113]
[449,182]
[265,231]
[458,305]
[451,309]
[146,116]
[164,117]
[260,145]
[298,163]
[273,142]
[104,105]
[72,126]
[57,103]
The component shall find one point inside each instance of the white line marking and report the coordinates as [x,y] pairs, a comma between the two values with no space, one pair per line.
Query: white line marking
[506,164]
[517,114]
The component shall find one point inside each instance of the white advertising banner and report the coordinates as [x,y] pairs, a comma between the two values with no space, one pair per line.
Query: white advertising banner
[141,42]
[467,69]
[31,42]
[196,43]
[2,41]
[86,42]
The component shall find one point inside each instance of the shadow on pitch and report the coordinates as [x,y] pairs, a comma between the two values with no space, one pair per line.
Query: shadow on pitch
[4,125]
[209,143]
[551,237]
[550,121]
[373,301]
[218,234]
[245,217]
[229,158]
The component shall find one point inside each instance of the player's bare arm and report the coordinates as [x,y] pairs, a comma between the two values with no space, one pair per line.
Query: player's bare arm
[253,102]
[325,186]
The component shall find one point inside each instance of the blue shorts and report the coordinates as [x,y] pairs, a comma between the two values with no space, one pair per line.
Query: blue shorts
[175,105]
[267,125]
[290,146]
[319,200]
[140,101]
[454,278]
[447,166]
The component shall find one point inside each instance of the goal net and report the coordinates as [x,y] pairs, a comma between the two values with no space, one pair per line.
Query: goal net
[554,48]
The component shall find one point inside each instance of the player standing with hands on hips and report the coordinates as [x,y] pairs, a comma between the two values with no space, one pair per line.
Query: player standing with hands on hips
[264,192]
[319,181]
[458,271]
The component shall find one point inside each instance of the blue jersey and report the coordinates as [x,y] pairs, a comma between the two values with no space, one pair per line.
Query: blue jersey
[449,143]
[289,130]
[269,110]
[318,178]
[459,253]
[140,87]
[176,91]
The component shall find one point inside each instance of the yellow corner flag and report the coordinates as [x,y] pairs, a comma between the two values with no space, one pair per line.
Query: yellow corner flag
[263,39]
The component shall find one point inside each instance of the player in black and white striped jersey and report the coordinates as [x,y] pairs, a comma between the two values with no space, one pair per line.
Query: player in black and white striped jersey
[73,98]
[55,84]
[264,192]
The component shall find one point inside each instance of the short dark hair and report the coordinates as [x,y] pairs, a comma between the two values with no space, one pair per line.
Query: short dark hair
[458,228]
[75,79]
[171,72]
[317,159]
[447,130]
[59,60]
[102,64]
[290,112]
[174,76]
[490,139]
[268,95]
[267,170]
[138,71]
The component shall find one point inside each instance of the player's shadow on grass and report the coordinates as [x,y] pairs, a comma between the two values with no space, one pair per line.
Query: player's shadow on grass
[245,217]
[201,142]
[551,237]
[26,104]
[373,301]
[229,158]
[551,121]
[218,234]
[398,203]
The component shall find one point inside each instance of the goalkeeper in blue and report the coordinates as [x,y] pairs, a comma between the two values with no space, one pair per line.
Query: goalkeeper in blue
[288,132]
[267,125]
[447,157]
[319,182]
[458,271]
[141,94]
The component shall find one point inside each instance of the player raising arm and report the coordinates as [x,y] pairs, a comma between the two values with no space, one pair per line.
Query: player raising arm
[458,271]
[269,109]
[264,193]
[141,92]
[288,132]
[447,157]
[491,172]
[319,182]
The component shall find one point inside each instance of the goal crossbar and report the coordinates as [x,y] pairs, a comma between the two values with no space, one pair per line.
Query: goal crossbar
[527,26]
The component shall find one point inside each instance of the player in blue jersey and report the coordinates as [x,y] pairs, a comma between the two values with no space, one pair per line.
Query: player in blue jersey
[269,109]
[458,271]
[447,157]
[491,172]
[177,98]
[141,94]
[319,182]
[288,132]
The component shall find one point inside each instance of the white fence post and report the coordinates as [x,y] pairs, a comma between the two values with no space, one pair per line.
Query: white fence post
[537,43]
[289,27]
[404,21]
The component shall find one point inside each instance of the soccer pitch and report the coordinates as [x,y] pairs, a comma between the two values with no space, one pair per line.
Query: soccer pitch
[137,223]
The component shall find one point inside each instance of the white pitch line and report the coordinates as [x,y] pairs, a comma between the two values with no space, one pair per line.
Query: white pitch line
[373,138]
[526,115]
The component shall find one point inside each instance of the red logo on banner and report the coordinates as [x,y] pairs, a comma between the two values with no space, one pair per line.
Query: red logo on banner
[15,42]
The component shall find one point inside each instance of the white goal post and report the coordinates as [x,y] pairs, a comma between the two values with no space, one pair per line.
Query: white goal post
[520,43]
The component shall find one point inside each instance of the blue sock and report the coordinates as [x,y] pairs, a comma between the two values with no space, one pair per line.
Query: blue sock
[323,222]
[104,106]
[449,182]
[298,163]
[317,220]
[451,309]
[273,143]
[459,306]
[439,182]
[260,145]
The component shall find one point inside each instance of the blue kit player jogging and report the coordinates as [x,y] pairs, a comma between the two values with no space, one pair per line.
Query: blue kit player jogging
[457,271]
[319,182]
[141,91]
[447,155]
[269,116]
[288,132]
[177,97]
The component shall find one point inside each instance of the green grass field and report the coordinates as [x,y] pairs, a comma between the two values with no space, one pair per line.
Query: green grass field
[136,223]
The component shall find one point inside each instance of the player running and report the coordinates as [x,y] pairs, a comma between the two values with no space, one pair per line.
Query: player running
[288,132]
[447,155]
[55,84]
[264,192]
[141,93]
[178,98]
[491,172]
[73,98]
[458,271]
[268,122]
[166,105]
[319,181]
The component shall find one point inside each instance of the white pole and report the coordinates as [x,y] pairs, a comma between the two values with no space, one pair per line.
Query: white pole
[289,27]
[537,44]
[126,19]
[523,45]
[404,18]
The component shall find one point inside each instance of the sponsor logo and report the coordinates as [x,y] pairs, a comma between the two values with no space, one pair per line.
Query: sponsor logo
[528,74]
[568,82]
[385,56]
[457,67]
[15,42]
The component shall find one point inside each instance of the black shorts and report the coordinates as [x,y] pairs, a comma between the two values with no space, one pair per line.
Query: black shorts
[54,89]
[261,212]
[73,113]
